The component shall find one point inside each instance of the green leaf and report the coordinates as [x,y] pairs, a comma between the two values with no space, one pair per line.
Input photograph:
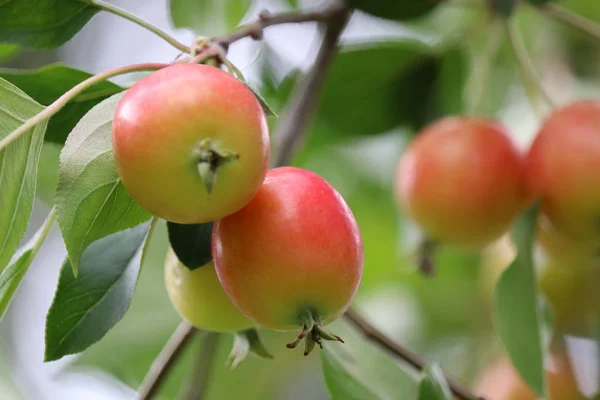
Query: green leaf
[42,24]
[372,89]
[433,385]
[518,316]
[8,51]
[11,277]
[191,243]
[85,308]
[505,7]
[208,17]
[47,173]
[18,166]
[396,10]
[358,371]
[446,97]
[91,200]
[48,83]
[539,2]
[375,87]
[265,106]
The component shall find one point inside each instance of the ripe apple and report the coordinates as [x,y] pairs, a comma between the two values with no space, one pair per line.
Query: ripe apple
[564,170]
[191,143]
[293,257]
[462,181]
[199,297]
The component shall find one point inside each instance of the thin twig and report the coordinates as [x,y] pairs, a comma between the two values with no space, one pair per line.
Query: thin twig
[71,94]
[201,373]
[136,20]
[204,55]
[266,19]
[572,19]
[165,361]
[528,72]
[374,335]
[300,109]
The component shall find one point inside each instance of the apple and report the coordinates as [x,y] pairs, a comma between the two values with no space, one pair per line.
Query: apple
[292,259]
[198,297]
[462,181]
[563,167]
[191,143]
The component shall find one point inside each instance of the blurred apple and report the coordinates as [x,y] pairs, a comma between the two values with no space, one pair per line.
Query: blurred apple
[501,382]
[571,289]
[567,275]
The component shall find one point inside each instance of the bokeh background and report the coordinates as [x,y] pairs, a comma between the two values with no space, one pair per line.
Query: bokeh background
[371,107]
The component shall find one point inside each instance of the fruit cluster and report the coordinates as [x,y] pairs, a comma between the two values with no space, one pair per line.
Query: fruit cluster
[464,182]
[286,250]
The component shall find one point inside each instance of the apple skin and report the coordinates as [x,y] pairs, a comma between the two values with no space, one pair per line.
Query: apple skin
[564,248]
[501,382]
[568,278]
[199,297]
[462,181]
[563,167]
[157,130]
[293,252]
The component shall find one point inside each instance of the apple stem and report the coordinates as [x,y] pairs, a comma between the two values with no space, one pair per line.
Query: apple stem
[312,334]
[426,253]
[211,157]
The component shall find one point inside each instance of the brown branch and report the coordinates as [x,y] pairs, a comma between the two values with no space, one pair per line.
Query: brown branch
[165,361]
[266,19]
[412,358]
[300,109]
[201,373]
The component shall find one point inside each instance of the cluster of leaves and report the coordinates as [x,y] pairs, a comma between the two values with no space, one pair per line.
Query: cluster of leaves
[404,82]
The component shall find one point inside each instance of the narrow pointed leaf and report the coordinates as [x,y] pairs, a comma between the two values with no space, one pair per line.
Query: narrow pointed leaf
[18,167]
[518,314]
